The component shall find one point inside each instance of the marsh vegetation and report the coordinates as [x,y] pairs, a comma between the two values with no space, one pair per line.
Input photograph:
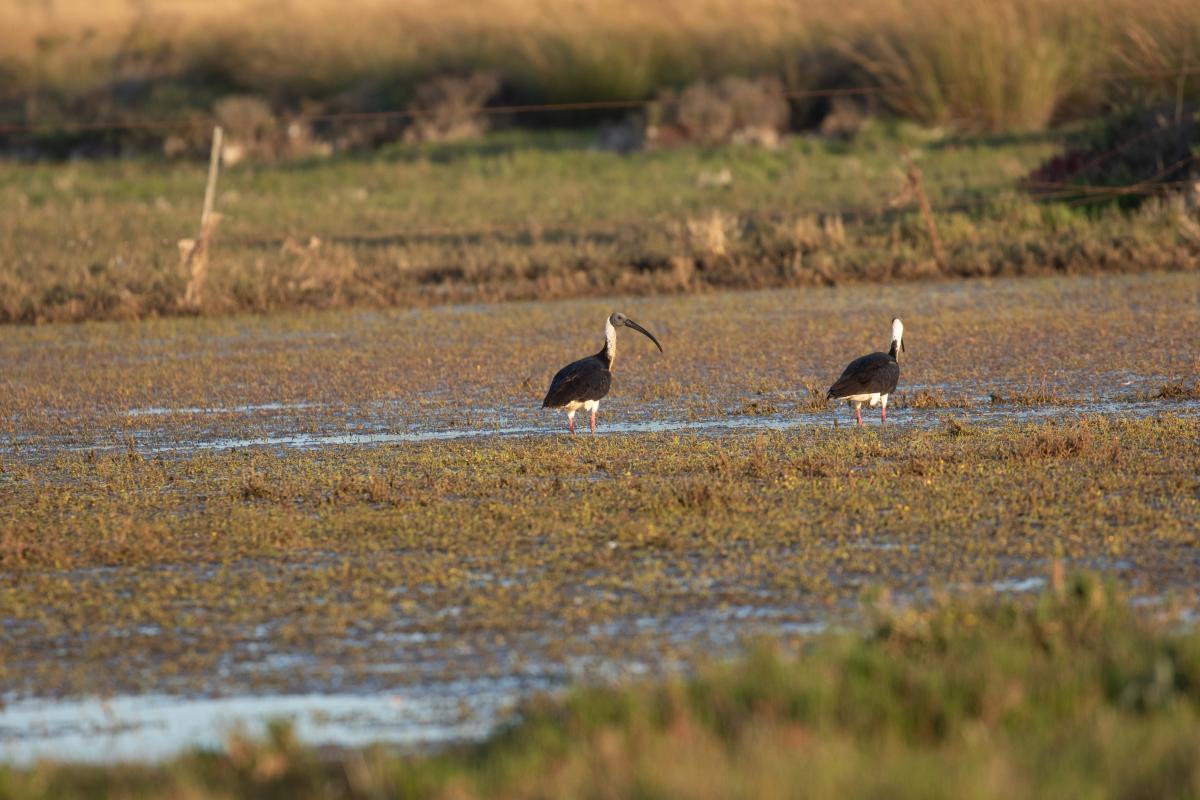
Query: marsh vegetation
[545,217]
[317,484]
[372,503]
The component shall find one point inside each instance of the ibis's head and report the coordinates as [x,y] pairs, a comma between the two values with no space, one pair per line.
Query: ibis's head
[898,332]
[618,320]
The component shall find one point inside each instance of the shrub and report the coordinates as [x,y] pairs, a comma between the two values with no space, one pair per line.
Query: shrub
[450,108]
[251,128]
[731,110]
[1136,154]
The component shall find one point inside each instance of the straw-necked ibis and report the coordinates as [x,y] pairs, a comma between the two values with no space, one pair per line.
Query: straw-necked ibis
[871,378]
[584,383]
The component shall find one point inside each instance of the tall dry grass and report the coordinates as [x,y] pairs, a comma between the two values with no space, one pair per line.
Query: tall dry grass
[981,64]
[984,65]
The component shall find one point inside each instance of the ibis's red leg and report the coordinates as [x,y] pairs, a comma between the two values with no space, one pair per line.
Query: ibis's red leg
[858,413]
[884,412]
[593,422]
[571,422]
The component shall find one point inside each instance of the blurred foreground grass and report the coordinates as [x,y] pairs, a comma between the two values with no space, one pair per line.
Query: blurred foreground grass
[1068,695]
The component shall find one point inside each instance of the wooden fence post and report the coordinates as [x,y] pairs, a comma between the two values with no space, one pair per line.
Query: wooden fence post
[194,252]
[916,181]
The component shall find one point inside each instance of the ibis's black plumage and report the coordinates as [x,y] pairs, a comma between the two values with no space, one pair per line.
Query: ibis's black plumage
[871,378]
[586,379]
[584,383]
[877,373]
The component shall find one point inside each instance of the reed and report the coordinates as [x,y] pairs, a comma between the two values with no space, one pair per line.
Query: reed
[983,65]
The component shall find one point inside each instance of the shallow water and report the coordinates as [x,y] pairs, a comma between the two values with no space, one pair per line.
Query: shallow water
[425,714]
[152,727]
[996,414]
[276,423]
[419,708]
[404,699]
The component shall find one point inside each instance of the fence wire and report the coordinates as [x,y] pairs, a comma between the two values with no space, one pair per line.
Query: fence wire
[880,215]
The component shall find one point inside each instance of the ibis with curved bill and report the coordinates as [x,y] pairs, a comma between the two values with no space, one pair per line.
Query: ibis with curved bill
[584,383]
[871,378]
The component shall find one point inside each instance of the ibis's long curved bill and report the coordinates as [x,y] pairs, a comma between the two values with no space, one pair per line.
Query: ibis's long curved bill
[631,324]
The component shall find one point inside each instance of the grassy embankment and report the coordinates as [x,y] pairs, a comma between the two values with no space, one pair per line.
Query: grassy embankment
[542,216]
[1071,695]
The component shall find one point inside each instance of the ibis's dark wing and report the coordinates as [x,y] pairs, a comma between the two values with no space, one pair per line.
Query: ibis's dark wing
[877,372]
[585,379]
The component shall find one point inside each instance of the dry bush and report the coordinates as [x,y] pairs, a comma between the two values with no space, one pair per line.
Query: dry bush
[713,235]
[702,114]
[251,129]
[760,109]
[834,228]
[731,110]
[451,109]
[803,233]
[846,119]
[809,232]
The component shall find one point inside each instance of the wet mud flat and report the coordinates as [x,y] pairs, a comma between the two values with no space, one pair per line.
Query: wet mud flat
[362,520]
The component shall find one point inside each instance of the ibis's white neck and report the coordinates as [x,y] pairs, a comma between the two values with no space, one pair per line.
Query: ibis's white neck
[897,336]
[610,342]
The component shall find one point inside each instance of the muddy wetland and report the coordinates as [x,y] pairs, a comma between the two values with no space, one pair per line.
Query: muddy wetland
[363,521]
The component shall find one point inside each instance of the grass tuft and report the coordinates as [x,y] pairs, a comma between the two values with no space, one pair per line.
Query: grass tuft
[931,398]
[1169,391]
[1034,396]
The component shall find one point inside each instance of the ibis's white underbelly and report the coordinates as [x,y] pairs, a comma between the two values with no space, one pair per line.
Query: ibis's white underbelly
[872,399]
[575,405]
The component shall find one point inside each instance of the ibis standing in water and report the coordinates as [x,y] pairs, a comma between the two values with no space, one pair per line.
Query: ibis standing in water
[584,383]
[871,378]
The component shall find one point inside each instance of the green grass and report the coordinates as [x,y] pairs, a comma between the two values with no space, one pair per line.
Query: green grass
[525,216]
[1068,695]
